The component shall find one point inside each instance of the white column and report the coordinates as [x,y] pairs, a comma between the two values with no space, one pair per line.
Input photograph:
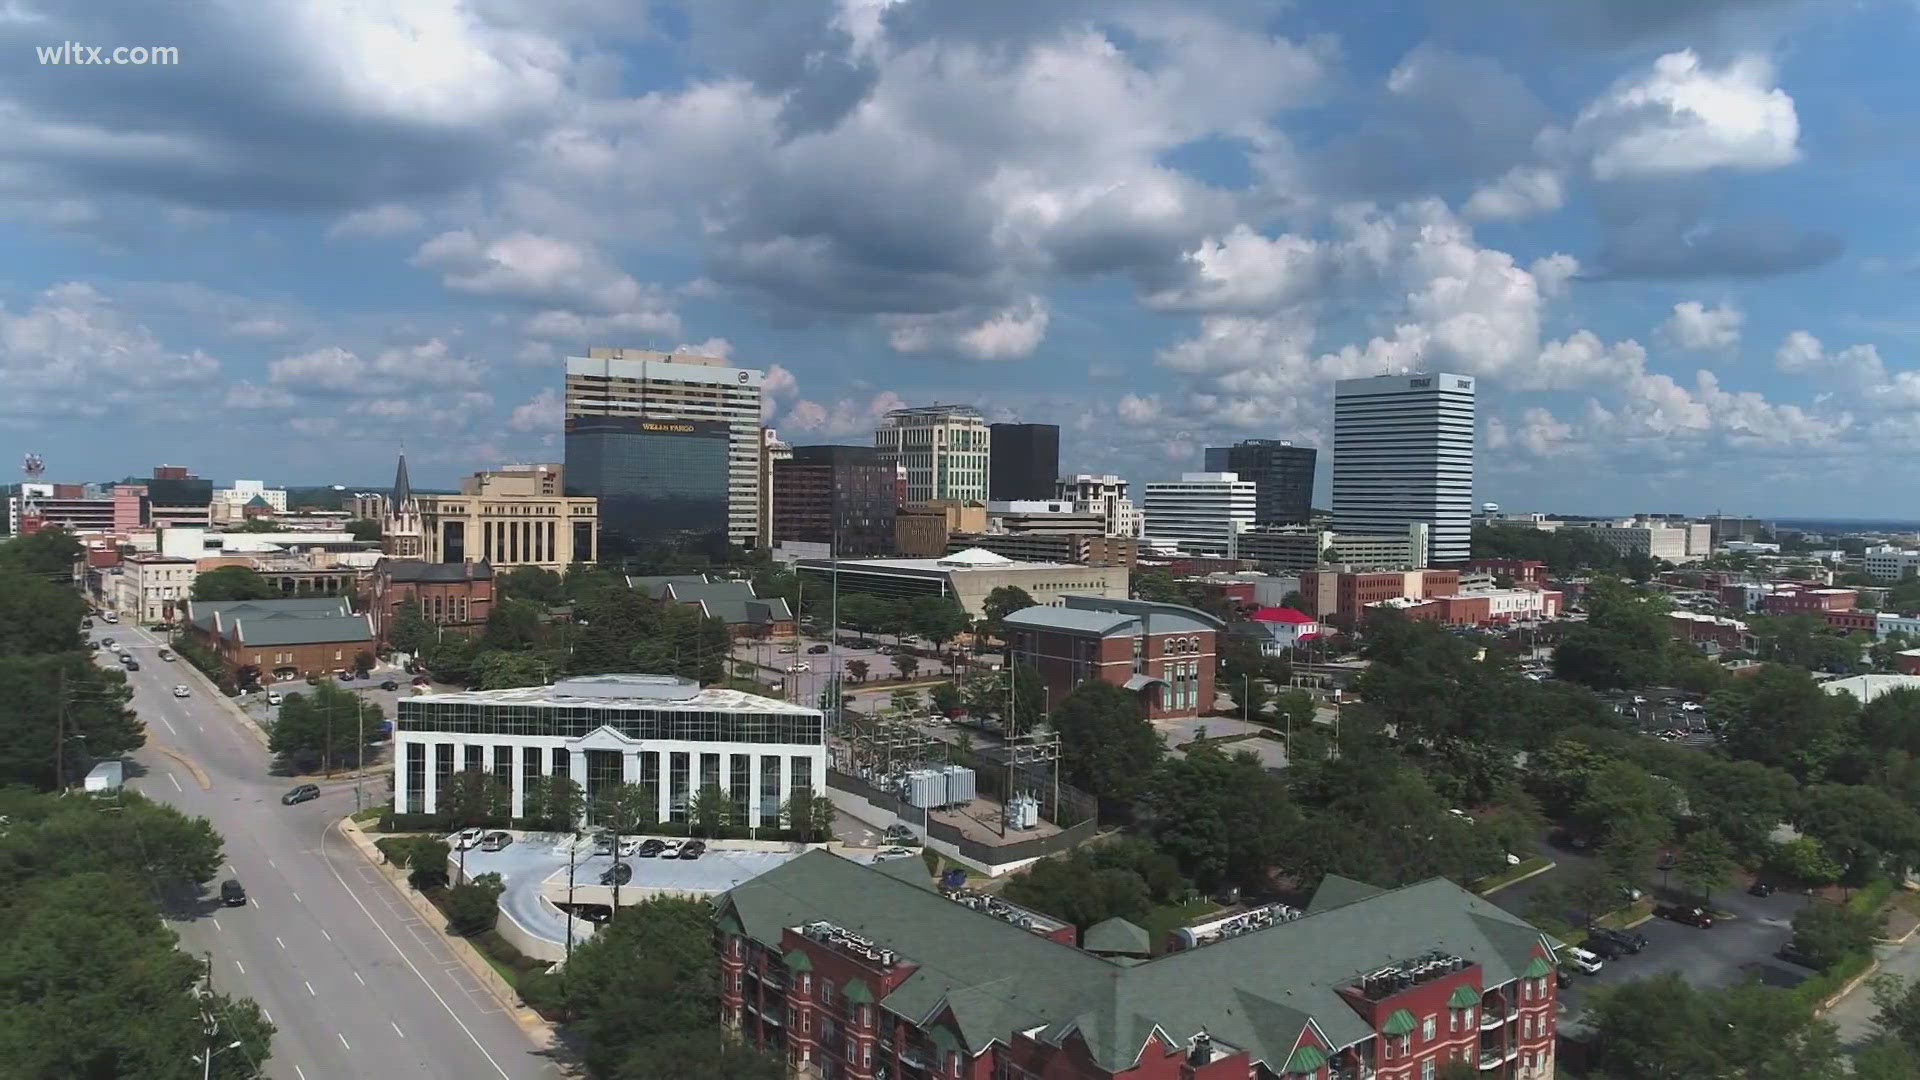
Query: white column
[400,775]
[630,766]
[577,767]
[519,781]
[786,778]
[753,790]
[665,793]
[432,780]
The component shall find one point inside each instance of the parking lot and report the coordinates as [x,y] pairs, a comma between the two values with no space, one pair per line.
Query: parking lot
[1271,752]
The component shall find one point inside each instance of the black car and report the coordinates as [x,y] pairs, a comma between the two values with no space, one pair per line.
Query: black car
[1604,947]
[1626,941]
[300,794]
[619,873]
[650,849]
[389,685]
[132,665]
[816,650]
[1760,888]
[693,849]
[1791,954]
[232,894]
[1691,916]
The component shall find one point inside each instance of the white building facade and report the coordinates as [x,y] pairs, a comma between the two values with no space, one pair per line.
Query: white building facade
[1658,541]
[1105,495]
[648,385]
[945,450]
[232,500]
[1201,512]
[1887,563]
[153,588]
[1403,448]
[663,733]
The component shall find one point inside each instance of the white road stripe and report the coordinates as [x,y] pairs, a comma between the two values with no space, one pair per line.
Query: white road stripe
[265,1014]
[324,934]
[296,898]
[310,990]
[396,1029]
[271,863]
[176,782]
[169,724]
[302,1072]
[252,901]
[236,963]
[343,1041]
[216,924]
[356,975]
[277,941]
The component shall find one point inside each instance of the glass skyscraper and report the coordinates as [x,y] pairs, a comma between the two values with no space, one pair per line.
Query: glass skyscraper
[656,479]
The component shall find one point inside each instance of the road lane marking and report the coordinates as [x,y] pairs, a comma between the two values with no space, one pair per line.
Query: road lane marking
[296,898]
[216,924]
[343,1041]
[407,960]
[170,726]
[252,901]
[310,992]
[356,975]
[302,1072]
[176,782]
[324,934]
[277,941]
[396,1029]
[236,963]
[265,1014]
[270,862]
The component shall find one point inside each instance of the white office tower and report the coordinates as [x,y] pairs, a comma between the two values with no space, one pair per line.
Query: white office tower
[1202,512]
[945,450]
[1104,495]
[1403,453]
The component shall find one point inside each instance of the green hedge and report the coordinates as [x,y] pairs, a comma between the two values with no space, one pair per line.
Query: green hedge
[439,823]
[1868,900]
[1818,989]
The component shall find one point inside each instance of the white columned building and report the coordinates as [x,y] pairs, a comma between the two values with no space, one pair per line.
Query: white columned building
[661,732]
[1403,453]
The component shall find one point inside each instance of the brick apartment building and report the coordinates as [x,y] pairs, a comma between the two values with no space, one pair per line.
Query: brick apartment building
[1531,572]
[863,972]
[1808,601]
[456,596]
[1163,652]
[1847,622]
[1482,607]
[1330,594]
[1694,627]
[282,637]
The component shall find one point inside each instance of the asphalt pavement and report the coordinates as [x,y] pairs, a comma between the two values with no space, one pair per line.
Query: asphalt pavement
[355,982]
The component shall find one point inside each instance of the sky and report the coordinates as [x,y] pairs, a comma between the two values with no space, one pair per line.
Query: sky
[1676,242]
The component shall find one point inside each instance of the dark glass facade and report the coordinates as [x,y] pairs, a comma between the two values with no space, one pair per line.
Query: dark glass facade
[1282,475]
[829,494]
[657,480]
[1024,461]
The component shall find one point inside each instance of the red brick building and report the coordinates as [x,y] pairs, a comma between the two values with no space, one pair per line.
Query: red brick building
[863,972]
[313,636]
[1694,627]
[457,596]
[1809,601]
[1849,621]
[1522,571]
[1335,593]
[1163,652]
[1907,662]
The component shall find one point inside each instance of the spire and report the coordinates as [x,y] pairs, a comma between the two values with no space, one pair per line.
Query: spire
[402,490]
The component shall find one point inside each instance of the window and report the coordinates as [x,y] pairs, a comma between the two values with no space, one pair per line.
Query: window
[1426,1069]
[1526,1027]
[1428,1028]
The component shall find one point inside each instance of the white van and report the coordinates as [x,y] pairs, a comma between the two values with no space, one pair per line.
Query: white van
[1584,960]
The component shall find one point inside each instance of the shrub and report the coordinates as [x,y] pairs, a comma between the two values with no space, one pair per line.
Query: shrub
[471,908]
[427,863]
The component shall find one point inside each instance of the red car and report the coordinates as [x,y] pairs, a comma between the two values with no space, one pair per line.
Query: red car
[1692,916]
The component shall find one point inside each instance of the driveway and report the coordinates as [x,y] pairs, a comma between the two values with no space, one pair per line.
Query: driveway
[1272,754]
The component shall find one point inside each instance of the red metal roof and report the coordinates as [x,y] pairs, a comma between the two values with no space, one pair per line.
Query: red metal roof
[1282,615]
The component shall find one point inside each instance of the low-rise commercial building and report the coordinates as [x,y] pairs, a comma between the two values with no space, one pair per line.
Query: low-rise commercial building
[454,596]
[1291,549]
[1657,541]
[1480,607]
[1162,652]
[1868,687]
[1084,547]
[1792,601]
[1279,629]
[1695,627]
[1339,593]
[732,602]
[924,530]
[1528,572]
[282,637]
[1887,563]
[967,576]
[153,589]
[853,971]
[1888,624]
[663,733]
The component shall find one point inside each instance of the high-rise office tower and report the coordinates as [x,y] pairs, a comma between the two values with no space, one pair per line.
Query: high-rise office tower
[1203,512]
[1282,476]
[1403,453]
[1026,461]
[944,449]
[668,442]
[839,495]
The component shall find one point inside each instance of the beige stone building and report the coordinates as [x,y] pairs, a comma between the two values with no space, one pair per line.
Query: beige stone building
[922,530]
[513,516]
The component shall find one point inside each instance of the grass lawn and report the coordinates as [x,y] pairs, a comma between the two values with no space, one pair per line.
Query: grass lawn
[1494,882]
[370,815]
[1164,919]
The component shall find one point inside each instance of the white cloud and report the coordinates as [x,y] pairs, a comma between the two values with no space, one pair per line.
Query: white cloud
[1136,409]
[1247,272]
[249,395]
[846,417]
[1525,191]
[387,219]
[1011,333]
[1858,371]
[717,347]
[75,351]
[601,329]
[1553,272]
[1683,117]
[542,414]
[1698,328]
[427,368]
[569,276]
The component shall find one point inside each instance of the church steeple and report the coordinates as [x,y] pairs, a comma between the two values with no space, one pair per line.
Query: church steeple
[402,490]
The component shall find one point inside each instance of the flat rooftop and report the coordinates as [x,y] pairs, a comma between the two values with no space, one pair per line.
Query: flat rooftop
[622,691]
[958,562]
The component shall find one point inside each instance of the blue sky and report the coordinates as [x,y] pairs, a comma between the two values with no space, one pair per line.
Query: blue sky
[1676,242]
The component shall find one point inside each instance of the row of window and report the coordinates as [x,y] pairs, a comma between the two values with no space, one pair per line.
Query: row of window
[573,722]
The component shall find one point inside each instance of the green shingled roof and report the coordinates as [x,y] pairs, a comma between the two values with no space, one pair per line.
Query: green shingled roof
[1464,997]
[1306,1059]
[1538,968]
[1116,935]
[1257,992]
[1400,1023]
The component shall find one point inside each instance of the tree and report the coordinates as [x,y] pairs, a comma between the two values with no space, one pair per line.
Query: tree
[1295,706]
[321,729]
[907,663]
[49,554]
[473,906]
[1107,745]
[533,583]
[1781,717]
[499,670]
[939,619]
[1224,819]
[410,631]
[363,662]
[427,863]
[365,530]
[1802,859]
[1898,1005]
[945,698]
[1705,864]
[470,798]
[515,624]
[809,815]
[999,604]
[858,668]
[141,840]
[1663,1029]
[1886,1058]
[1073,887]
[987,697]
[1863,829]
[553,802]
[38,615]
[711,811]
[625,810]
[233,583]
[1827,933]
[61,703]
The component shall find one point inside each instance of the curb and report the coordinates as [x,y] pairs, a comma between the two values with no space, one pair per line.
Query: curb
[1523,877]
[528,1020]
[1852,985]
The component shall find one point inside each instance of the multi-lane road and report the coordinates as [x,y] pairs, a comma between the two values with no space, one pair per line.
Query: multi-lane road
[355,982]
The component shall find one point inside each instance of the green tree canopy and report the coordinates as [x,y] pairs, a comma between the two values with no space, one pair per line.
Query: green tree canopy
[1663,1029]
[1107,745]
[233,583]
[1827,933]
[410,632]
[999,604]
[46,553]
[515,623]
[534,583]
[320,730]
[1224,819]
[38,614]
[44,695]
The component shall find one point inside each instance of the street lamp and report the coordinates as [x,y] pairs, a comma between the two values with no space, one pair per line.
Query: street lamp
[206,1062]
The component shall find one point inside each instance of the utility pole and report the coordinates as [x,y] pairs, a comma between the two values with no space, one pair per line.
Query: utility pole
[573,850]
[360,770]
[60,733]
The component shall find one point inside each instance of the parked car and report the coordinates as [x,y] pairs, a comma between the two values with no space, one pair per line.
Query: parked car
[795,669]
[816,650]
[1760,888]
[1584,960]
[1604,948]
[1791,954]
[594,913]
[669,849]
[629,846]
[1692,916]
[893,853]
[466,838]
[132,665]
[273,697]
[180,690]
[232,894]
[106,643]
[693,849]
[389,685]
[165,654]
[1626,940]
[300,794]
[495,840]
[650,849]
[618,873]
[1631,894]
[900,836]
[603,843]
